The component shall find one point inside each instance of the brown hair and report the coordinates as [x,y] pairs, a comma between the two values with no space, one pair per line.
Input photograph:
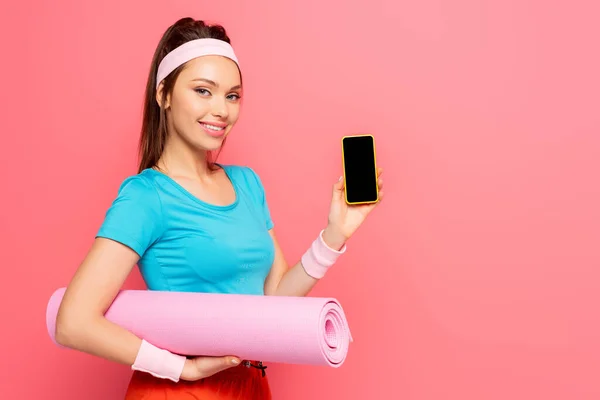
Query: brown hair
[154,124]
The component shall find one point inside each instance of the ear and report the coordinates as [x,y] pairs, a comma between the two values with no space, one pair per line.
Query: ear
[159,93]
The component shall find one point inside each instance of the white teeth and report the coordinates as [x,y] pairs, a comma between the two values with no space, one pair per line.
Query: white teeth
[212,127]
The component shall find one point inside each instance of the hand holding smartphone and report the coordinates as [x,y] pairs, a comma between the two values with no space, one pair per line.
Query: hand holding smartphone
[358,194]
[360,169]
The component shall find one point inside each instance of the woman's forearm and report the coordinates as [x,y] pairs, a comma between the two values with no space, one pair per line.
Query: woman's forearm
[296,281]
[99,337]
[103,338]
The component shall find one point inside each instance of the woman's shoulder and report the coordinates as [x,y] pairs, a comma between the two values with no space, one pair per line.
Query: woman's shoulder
[244,174]
[142,183]
[139,188]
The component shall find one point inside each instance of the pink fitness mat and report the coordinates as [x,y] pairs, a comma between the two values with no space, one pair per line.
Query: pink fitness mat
[293,330]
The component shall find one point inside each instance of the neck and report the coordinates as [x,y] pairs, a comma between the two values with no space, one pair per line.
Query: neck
[179,159]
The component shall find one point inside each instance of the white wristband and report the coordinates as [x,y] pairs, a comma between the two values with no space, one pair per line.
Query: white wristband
[319,257]
[158,362]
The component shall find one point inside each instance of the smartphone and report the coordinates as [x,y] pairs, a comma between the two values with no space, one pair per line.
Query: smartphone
[360,169]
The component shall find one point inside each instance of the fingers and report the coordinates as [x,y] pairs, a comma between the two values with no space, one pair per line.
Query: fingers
[338,186]
[231,361]
[212,365]
[380,182]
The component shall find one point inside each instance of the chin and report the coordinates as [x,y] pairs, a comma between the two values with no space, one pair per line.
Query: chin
[211,143]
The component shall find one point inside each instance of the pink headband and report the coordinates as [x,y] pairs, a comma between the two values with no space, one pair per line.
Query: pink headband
[190,50]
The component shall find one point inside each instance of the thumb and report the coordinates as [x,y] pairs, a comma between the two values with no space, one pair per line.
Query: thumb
[230,361]
[339,185]
[338,189]
[216,364]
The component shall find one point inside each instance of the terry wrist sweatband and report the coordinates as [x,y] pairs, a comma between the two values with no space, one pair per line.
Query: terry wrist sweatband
[319,257]
[158,362]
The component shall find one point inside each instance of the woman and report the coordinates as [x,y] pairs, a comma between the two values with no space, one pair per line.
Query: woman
[191,224]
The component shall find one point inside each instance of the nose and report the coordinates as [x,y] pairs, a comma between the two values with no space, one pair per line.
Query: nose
[220,107]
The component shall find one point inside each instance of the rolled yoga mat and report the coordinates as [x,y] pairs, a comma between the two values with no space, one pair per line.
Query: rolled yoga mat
[292,330]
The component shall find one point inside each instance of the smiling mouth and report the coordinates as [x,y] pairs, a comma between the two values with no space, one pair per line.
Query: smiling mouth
[213,128]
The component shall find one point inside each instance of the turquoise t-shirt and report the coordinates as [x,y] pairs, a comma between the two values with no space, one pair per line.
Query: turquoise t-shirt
[188,245]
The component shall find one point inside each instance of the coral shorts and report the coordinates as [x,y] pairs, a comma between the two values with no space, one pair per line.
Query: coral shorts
[241,382]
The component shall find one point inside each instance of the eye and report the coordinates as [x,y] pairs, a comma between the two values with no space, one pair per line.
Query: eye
[234,96]
[202,91]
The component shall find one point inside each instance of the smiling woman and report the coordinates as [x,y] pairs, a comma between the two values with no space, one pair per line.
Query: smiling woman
[191,225]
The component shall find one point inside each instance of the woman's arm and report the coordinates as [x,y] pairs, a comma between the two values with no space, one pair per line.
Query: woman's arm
[295,281]
[80,322]
[343,221]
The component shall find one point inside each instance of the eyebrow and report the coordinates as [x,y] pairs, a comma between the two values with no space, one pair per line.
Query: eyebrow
[214,83]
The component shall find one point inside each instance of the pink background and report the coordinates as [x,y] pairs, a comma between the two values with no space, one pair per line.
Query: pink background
[480,269]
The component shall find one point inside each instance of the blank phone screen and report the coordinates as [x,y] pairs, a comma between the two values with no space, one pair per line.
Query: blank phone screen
[359,168]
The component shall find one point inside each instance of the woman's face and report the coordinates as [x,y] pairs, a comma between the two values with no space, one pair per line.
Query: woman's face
[205,102]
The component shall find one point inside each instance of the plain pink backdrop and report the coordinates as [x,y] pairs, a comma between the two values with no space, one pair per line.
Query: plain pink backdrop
[477,278]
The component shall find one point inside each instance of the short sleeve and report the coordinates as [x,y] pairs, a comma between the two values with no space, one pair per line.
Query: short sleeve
[262,199]
[135,216]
